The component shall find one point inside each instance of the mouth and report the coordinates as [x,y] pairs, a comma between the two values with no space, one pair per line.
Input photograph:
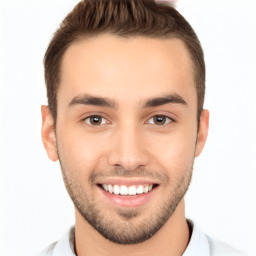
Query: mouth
[128,195]
[131,190]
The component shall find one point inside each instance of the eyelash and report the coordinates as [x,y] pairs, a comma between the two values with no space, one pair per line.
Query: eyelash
[167,119]
[99,117]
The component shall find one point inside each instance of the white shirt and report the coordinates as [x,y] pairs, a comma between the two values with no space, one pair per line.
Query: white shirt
[199,245]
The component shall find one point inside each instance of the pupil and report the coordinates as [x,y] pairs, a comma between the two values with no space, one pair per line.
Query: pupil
[95,119]
[160,119]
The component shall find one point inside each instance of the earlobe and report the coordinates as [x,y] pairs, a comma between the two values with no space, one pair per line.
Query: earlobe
[202,132]
[48,133]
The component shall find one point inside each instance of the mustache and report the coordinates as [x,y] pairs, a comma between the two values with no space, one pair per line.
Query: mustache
[123,173]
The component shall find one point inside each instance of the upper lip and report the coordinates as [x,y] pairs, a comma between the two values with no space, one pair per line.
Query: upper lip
[127,181]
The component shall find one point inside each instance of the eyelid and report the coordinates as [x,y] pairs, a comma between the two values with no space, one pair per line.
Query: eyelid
[88,116]
[171,120]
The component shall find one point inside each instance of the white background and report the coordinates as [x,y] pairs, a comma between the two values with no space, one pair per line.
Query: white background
[35,208]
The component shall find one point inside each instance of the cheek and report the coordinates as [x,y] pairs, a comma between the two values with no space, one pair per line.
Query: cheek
[79,151]
[174,151]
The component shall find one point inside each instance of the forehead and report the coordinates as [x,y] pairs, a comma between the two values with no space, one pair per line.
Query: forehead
[127,68]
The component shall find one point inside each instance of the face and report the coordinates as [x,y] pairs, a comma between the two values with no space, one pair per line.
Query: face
[126,132]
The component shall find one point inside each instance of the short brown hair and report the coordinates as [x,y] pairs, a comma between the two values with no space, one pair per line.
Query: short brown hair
[124,18]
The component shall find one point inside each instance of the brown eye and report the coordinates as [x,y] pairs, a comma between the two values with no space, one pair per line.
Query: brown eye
[95,120]
[159,120]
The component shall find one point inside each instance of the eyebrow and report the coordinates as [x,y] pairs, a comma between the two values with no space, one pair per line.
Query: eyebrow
[159,101]
[105,102]
[93,100]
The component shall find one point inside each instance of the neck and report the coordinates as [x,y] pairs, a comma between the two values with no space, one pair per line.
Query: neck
[171,239]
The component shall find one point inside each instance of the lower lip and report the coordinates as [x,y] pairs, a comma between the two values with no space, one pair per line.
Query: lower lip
[129,201]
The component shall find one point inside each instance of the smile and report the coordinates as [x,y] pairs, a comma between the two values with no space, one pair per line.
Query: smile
[128,192]
[124,190]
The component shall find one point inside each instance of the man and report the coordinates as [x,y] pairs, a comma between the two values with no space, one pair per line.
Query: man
[125,84]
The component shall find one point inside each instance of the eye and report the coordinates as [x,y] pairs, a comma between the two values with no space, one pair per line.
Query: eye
[160,120]
[95,120]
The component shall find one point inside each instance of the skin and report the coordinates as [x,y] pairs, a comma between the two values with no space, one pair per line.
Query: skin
[128,72]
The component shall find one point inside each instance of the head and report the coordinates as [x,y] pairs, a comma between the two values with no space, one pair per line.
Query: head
[125,84]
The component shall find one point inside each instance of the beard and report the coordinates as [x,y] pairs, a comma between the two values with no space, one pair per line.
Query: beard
[132,226]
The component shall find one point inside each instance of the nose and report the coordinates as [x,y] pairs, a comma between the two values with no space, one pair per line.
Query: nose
[128,150]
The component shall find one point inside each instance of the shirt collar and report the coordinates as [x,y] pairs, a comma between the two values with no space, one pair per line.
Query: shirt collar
[198,244]
[66,245]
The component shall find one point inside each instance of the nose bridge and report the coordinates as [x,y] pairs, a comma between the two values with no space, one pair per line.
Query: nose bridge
[128,149]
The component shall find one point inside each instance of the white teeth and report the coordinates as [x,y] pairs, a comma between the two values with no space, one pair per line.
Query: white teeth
[110,189]
[127,190]
[140,189]
[116,189]
[145,189]
[132,190]
[124,190]
[105,186]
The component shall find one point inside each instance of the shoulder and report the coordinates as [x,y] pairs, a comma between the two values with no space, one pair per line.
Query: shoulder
[48,250]
[201,244]
[218,248]
[65,246]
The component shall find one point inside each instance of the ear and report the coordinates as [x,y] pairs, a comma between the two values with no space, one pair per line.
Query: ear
[48,133]
[202,132]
